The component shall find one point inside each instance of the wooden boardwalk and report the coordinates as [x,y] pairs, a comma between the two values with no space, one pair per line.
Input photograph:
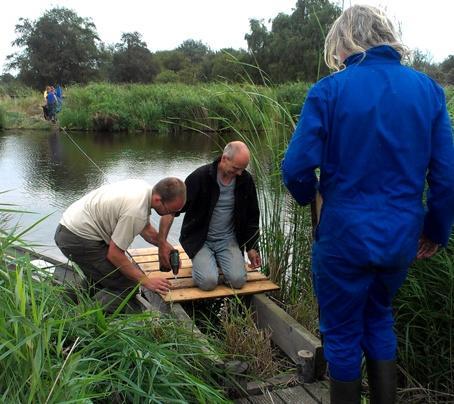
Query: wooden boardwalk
[184,289]
[313,393]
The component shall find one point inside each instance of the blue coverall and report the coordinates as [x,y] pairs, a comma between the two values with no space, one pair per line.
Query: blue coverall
[377,130]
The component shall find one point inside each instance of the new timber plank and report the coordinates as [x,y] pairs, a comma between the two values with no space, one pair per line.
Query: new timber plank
[155,257]
[182,295]
[183,287]
[182,283]
[150,250]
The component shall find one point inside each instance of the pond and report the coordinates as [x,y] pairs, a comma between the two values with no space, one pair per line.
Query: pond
[44,172]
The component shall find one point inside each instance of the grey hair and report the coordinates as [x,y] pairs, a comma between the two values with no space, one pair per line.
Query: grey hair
[359,28]
[170,189]
[233,148]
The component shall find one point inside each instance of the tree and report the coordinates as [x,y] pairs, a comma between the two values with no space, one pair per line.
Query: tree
[194,51]
[293,49]
[59,47]
[447,67]
[227,64]
[132,61]
[173,60]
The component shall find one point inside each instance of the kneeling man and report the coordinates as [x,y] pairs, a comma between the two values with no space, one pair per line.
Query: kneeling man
[222,219]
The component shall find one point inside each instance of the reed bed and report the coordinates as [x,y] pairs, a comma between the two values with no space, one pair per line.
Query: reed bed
[425,326]
[53,350]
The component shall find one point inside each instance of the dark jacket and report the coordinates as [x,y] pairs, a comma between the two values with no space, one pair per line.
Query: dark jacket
[202,196]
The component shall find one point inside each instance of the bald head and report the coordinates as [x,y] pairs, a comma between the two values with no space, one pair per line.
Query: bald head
[236,149]
[234,160]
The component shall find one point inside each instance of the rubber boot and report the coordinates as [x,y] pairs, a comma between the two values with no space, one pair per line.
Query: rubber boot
[345,392]
[382,381]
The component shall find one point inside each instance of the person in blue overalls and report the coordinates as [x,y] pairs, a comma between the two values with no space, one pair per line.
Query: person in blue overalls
[377,130]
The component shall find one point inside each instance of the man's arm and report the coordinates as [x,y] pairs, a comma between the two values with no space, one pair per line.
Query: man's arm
[118,258]
[150,234]
[164,246]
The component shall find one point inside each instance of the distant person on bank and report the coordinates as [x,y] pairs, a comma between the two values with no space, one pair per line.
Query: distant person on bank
[377,130]
[221,219]
[96,230]
[51,104]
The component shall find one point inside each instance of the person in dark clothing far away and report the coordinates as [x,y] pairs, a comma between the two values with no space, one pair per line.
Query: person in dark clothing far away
[51,104]
[221,219]
[377,130]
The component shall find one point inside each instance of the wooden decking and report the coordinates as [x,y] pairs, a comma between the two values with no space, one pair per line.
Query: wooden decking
[313,393]
[184,289]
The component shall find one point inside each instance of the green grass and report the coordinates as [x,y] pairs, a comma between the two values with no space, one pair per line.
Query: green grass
[53,350]
[425,323]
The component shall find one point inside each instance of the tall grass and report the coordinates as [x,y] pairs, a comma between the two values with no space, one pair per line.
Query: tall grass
[425,324]
[425,305]
[53,351]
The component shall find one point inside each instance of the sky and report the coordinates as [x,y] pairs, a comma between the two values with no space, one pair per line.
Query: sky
[165,24]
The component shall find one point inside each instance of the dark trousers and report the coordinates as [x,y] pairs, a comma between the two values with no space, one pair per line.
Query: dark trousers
[105,282]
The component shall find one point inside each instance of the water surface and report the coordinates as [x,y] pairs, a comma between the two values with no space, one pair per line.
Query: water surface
[45,172]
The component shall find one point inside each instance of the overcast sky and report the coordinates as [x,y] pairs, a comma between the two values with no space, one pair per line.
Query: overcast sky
[164,24]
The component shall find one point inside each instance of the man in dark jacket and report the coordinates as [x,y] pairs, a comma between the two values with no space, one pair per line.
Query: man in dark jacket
[222,219]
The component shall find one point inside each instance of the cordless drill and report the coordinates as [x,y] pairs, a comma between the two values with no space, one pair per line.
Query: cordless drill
[174,259]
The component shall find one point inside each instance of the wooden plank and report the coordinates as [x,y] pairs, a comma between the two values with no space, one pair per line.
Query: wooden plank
[185,270]
[295,395]
[282,380]
[182,283]
[268,397]
[320,391]
[287,333]
[155,258]
[181,295]
[149,250]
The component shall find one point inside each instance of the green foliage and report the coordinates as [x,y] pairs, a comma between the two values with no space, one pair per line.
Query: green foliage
[53,351]
[293,49]
[167,76]
[243,340]
[425,323]
[132,61]
[194,51]
[59,47]
[2,118]
[107,107]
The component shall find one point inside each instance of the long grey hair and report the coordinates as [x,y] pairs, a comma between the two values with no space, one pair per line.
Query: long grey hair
[359,28]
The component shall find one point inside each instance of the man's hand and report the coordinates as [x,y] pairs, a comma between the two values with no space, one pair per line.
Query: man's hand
[254,258]
[164,254]
[427,248]
[159,285]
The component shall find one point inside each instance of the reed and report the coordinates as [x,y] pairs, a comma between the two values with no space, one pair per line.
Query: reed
[52,350]
[425,325]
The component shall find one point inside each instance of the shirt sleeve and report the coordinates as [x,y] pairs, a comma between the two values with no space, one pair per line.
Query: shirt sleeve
[304,152]
[127,228]
[440,178]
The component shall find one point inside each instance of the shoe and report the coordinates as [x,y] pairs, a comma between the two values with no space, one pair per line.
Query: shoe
[345,392]
[382,381]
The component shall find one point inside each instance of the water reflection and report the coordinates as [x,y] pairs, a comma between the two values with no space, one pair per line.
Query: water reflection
[46,172]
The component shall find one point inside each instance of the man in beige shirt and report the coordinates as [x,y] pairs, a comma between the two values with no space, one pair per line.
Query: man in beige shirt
[96,230]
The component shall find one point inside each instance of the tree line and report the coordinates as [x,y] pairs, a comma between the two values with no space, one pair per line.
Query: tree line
[62,47]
